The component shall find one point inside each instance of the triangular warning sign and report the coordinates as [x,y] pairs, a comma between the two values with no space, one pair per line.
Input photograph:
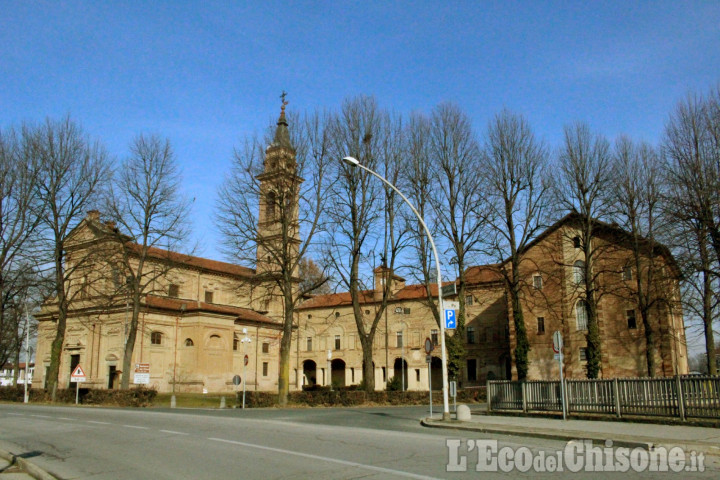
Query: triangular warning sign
[78,372]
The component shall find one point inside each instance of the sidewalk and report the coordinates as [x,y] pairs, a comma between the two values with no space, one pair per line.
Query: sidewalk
[627,434]
[17,468]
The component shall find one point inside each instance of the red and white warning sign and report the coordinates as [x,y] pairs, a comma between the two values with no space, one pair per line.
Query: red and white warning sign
[78,375]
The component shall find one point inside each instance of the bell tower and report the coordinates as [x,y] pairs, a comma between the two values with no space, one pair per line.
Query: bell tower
[278,228]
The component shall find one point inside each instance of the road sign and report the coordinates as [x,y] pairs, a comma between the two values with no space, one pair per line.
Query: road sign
[78,375]
[449,290]
[429,346]
[453,388]
[236,380]
[245,360]
[557,342]
[450,319]
[451,305]
[428,358]
[142,374]
[558,356]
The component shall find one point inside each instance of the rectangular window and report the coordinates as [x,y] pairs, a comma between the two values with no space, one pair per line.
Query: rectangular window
[337,342]
[627,273]
[265,369]
[583,354]
[468,300]
[399,337]
[266,347]
[173,290]
[631,320]
[309,344]
[236,342]
[471,335]
[541,325]
[417,375]
[208,296]
[537,282]
[434,337]
[406,310]
[472,370]
[384,377]
[352,375]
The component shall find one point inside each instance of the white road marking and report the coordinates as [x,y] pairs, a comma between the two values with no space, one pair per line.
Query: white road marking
[174,432]
[99,423]
[17,414]
[64,418]
[329,460]
[135,426]
[41,416]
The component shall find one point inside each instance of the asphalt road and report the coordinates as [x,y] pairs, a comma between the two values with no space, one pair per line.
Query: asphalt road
[343,443]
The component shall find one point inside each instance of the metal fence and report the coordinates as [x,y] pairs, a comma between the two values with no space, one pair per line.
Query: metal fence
[689,396]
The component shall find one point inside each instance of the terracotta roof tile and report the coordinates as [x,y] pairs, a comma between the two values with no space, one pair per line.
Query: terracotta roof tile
[197,262]
[194,306]
[483,274]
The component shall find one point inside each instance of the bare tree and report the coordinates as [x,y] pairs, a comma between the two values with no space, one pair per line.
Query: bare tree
[370,135]
[20,214]
[691,151]
[638,192]
[516,200]
[270,213]
[455,155]
[74,171]
[146,204]
[420,185]
[582,187]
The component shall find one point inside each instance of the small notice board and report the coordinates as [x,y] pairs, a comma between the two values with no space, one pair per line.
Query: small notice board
[142,374]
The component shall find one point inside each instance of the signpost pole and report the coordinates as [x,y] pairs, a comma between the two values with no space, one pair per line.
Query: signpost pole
[430,385]
[558,349]
[77,392]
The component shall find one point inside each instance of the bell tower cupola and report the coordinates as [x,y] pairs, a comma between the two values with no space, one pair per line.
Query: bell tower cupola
[278,231]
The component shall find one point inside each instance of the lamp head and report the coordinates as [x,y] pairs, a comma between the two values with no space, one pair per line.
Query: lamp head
[351,161]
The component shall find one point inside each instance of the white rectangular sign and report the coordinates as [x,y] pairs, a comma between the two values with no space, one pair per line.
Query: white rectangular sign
[141,378]
[451,305]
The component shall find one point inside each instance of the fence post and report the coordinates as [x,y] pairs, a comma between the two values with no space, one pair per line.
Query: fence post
[616,393]
[680,397]
[488,397]
[524,396]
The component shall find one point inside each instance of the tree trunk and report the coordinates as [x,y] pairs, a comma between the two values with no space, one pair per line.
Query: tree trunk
[130,344]
[368,368]
[285,351]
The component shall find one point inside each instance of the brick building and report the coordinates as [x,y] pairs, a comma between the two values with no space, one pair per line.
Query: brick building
[193,325]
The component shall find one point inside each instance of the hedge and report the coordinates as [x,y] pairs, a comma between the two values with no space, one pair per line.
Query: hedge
[135,397]
[350,397]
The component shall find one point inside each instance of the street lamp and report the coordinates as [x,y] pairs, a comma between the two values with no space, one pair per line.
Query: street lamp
[353,162]
[245,340]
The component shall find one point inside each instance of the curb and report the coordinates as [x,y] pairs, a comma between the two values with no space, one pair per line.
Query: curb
[568,435]
[31,469]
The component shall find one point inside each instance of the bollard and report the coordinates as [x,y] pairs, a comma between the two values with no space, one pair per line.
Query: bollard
[222,402]
[462,413]
[172,402]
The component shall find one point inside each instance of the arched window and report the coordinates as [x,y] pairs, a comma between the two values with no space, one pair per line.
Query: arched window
[156,338]
[579,272]
[189,342]
[270,206]
[581,315]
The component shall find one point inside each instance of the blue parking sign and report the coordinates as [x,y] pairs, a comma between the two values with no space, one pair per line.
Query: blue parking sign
[450,320]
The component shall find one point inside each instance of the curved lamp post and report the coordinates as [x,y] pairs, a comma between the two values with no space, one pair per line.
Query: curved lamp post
[353,162]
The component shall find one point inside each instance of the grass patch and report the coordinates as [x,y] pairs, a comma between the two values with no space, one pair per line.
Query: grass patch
[194,400]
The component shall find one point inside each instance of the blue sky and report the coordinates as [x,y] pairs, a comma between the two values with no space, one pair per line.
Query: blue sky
[206,74]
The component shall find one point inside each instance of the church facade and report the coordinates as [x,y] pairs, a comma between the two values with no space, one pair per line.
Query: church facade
[207,321]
